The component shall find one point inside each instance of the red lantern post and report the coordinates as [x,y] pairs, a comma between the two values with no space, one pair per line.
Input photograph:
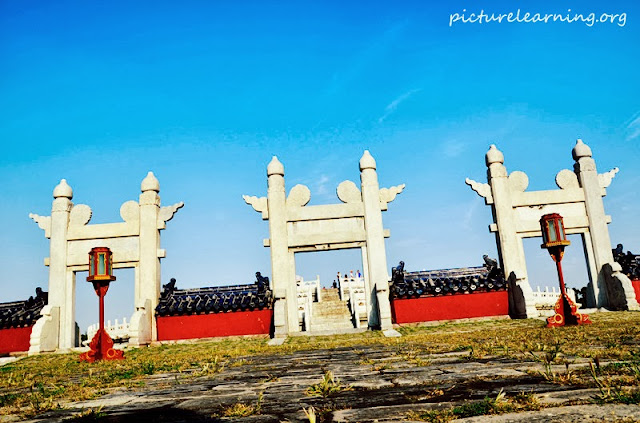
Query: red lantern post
[101,275]
[554,240]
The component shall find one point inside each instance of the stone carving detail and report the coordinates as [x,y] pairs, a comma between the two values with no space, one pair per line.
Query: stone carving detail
[61,205]
[130,211]
[483,190]
[387,195]
[566,179]
[629,263]
[166,213]
[518,181]
[259,204]
[80,215]
[348,192]
[605,178]
[299,196]
[44,222]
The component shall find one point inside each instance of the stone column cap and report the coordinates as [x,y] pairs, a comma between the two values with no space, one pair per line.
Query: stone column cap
[150,183]
[494,155]
[275,167]
[580,150]
[63,190]
[367,161]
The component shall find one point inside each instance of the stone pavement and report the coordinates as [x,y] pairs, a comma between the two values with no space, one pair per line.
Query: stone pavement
[385,386]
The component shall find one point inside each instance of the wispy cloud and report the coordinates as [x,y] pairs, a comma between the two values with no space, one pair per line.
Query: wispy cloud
[322,186]
[633,127]
[453,148]
[358,64]
[468,215]
[391,107]
[363,59]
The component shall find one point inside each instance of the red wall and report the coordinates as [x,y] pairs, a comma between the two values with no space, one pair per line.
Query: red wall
[14,339]
[211,325]
[448,307]
[636,287]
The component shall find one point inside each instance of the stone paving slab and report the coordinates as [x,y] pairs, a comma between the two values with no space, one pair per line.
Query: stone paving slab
[384,386]
[572,414]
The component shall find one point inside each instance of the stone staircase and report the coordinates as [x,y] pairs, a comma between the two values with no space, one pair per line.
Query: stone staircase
[331,315]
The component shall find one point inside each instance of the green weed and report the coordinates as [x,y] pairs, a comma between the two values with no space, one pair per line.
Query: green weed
[327,387]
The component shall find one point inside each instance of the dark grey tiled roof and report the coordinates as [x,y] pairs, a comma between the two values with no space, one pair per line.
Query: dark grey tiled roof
[219,299]
[464,280]
[18,314]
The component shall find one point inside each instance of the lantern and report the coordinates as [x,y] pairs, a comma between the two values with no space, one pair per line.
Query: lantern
[101,275]
[553,234]
[100,265]
[554,239]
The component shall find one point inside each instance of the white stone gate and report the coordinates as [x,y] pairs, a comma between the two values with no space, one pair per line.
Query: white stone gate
[295,227]
[135,243]
[517,214]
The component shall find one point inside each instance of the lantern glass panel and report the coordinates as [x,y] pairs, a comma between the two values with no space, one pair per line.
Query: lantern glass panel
[101,264]
[562,234]
[92,265]
[552,231]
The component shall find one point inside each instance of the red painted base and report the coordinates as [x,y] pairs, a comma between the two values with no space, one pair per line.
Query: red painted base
[567,314]
[211,325]
[14,339]
[101,348]
[450,307]
[636,288]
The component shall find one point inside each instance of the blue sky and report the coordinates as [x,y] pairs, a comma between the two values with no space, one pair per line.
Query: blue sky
[204,93]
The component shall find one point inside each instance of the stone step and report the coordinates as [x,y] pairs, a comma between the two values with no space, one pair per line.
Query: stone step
[331,306]
[330,294]
[330,311]
[330,315]
[345,321]
[329,319]
[330,326]
[329,332]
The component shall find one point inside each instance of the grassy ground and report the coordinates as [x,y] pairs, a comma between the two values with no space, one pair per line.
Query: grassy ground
[39,383]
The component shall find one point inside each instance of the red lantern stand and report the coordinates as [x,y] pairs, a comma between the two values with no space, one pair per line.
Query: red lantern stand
[101,275]
[554,240]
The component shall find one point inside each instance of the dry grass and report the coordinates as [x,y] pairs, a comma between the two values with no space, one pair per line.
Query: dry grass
[39,383]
